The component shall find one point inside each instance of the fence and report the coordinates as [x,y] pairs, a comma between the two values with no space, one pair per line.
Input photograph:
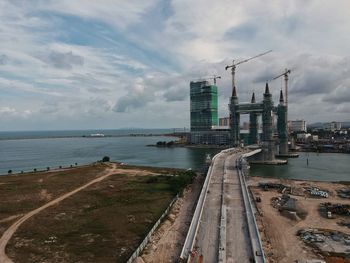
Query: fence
[146,239]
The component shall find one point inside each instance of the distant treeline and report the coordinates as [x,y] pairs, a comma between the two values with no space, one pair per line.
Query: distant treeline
[165,144]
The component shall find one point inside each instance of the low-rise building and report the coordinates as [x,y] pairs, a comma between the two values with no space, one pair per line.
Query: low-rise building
[297,126]
[225,121]
[332,126]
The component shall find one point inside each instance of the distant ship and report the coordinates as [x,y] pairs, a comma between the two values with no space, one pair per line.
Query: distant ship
[97,135]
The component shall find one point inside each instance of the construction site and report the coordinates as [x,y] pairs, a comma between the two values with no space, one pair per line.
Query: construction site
[301,220]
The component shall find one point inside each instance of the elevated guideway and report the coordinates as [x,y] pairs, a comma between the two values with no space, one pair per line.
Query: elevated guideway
[223,228]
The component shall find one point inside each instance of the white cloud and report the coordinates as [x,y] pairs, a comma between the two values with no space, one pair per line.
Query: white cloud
[118,13]
[9,112]
[45,76]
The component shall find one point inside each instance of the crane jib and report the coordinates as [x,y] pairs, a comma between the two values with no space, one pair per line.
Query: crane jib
[246,60]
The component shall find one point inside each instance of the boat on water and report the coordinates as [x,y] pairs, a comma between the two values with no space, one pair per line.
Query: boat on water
[97,135]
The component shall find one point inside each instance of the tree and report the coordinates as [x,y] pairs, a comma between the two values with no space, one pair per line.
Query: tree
[105,159]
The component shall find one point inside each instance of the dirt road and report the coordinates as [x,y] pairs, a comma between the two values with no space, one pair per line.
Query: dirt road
[12,229]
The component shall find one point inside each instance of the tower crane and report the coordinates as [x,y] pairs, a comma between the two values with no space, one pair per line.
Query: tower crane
[214,77]
[233,66]
[285,74]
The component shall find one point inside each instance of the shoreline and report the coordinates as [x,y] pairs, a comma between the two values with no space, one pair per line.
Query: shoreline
[96,163]
[91,137]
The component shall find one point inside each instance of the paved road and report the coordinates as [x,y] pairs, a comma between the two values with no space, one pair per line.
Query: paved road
[224,181]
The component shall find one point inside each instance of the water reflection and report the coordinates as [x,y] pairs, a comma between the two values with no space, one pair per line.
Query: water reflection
[320,167]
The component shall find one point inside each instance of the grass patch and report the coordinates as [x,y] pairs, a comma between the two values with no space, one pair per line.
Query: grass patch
[102,223]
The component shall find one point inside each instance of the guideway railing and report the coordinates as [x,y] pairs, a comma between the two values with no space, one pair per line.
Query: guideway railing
[258,252]
[192,232]
[223,221]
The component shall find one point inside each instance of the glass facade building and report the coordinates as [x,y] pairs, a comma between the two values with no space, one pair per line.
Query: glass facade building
[204,105]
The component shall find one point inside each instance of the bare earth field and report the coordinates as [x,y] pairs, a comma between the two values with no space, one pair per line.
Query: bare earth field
[167,241]
[103,222]
[281,244]
[22,193]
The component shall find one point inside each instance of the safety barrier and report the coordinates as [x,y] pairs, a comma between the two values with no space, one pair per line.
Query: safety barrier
[192,231]
[146,239]
[223,221]
[253,230]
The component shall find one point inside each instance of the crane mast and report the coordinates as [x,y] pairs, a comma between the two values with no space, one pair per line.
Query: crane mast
[285,74]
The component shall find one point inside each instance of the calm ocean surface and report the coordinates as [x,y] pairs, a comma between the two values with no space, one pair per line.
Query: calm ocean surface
[28,150]
[322,167]
[18,152]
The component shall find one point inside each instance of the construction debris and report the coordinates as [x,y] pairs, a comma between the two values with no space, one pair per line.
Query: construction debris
[285,202]
[327,242]
[344,193]
[344,223]
[311,261]
[289,207]
[337,209]
[314,191]
[267,186]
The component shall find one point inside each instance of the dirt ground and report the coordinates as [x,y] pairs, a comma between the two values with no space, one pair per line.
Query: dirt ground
[21,193]
[104,222]
[166,243]
[278,233]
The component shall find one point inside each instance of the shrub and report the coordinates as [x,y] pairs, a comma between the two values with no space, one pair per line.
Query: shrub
[151,180]
[105,159]
[181,180]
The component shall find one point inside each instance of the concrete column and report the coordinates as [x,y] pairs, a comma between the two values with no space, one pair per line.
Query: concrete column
[253,128]
[282,126]
[268,142]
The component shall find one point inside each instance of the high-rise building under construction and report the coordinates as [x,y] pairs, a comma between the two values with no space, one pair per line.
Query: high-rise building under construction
[204,105]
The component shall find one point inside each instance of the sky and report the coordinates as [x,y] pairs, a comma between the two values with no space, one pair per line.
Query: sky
[79,64]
